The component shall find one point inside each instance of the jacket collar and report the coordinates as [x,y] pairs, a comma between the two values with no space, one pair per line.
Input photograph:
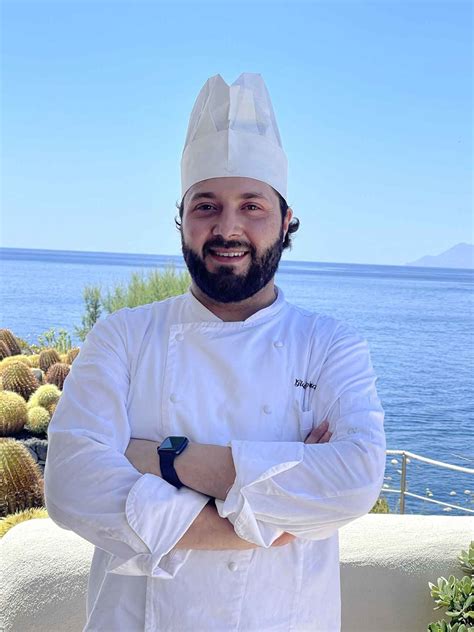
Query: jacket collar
[200,313]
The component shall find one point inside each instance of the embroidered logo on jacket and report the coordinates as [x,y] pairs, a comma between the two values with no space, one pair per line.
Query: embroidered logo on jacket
[304,384]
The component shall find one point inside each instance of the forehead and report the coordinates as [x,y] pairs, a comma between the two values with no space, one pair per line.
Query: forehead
[230,187]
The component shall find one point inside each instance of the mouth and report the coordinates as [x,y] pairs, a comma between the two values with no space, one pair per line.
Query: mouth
[228,255]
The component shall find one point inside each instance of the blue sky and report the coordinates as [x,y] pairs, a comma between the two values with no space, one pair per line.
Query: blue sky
[373,101]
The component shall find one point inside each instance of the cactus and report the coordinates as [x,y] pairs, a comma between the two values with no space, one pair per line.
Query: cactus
[4,350]
[57,373]
[46,395]
[14,358]
[22,484]
[17,377]
[12,520]
[9,339]
[13,413]
[33,360]
[38,420]
[47,358]
[72,354]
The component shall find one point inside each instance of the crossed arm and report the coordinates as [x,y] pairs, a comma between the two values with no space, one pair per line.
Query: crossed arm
[208,469]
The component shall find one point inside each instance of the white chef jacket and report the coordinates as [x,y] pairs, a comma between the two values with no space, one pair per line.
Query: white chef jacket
[259,385]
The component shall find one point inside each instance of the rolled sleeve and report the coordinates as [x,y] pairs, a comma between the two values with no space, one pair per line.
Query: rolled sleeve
[152,502]
[310,490]
[90,486]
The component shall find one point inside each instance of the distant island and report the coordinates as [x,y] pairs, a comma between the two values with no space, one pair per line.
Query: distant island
[459,256]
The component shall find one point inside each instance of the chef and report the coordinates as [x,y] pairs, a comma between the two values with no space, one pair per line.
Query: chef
[211,445]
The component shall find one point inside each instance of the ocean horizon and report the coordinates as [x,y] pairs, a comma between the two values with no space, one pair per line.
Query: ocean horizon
[418,322]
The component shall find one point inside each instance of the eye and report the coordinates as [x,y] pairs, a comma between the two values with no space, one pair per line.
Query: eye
[255,207]
[204,207]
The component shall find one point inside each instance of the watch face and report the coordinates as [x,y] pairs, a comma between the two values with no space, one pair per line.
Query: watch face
[173,443]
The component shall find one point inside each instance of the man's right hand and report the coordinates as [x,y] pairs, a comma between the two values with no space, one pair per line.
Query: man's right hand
[320,434]
[211,532]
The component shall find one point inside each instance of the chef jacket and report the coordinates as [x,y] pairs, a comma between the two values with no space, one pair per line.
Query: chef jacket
[259,386]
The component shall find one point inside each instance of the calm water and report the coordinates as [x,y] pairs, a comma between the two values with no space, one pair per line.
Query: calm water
[418,321]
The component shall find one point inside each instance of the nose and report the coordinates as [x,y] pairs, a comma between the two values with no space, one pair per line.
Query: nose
[227,224]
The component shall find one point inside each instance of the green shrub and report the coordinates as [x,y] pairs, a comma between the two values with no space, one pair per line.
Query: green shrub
[457,596]
[140,289]
[59,340]
[93,299]
[381,506]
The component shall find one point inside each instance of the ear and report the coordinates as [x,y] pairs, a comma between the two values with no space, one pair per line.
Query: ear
[287,219]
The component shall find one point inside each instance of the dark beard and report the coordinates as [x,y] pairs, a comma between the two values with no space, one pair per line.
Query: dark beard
[224,285]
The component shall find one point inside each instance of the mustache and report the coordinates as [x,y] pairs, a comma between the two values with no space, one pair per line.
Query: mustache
[220,242]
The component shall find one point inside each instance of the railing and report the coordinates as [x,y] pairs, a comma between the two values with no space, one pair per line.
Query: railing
[403,488]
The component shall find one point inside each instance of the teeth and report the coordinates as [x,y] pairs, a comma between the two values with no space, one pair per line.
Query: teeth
[229,254]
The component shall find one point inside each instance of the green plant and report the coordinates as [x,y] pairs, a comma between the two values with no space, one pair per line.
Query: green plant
[18,517]
[46,396]
[14,358]
[59,340]
[47,358]
[33,360]
[38,419]
[57,373]
[10,340]
[13,413]
[4,350]
[457,596]
[381,506]
[72,355]
[140,289]
[18,377]
[21,483]
[93,306]
[466,559]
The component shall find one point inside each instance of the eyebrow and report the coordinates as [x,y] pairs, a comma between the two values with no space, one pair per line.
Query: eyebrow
[213,196]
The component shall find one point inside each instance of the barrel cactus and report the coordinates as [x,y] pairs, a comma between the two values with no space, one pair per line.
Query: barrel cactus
[14,358]
[72,354]
[33,360]
[13,413]
[38,419]
[46,396]
[10,340]
[4,350]
[57,373]
[21,485]
[12,520]
[47,358]
[17,377]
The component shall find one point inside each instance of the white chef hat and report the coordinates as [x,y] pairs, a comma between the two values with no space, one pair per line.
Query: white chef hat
[233,132]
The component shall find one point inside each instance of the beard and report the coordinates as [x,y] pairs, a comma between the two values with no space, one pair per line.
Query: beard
[224,285]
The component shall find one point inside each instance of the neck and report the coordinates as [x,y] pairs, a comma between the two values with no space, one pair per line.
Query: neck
[232,312]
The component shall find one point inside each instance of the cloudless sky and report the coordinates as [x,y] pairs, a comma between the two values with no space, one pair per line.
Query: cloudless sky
[373,102]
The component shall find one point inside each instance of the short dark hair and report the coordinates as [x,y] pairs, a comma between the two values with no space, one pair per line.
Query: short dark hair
[292,227]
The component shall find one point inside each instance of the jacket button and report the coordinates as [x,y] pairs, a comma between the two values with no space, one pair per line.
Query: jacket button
[278,344]
[232,566]
[174,398]
[267,409]
[179,337]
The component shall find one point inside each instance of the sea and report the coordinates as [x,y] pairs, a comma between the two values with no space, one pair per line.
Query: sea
[418,322]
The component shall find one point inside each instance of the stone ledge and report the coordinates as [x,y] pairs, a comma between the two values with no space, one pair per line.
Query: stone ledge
[386,563]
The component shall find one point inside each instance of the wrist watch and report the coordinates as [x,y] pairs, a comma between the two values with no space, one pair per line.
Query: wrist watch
[168,450]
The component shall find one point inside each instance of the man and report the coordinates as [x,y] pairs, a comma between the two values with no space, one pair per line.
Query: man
[266,418]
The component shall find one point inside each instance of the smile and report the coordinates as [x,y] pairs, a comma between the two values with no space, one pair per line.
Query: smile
[228,254]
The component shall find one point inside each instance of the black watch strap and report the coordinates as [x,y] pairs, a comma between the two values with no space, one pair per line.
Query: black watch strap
[167,469]
[169,449]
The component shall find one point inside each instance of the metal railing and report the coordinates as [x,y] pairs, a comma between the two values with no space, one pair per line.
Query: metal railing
[403,481]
